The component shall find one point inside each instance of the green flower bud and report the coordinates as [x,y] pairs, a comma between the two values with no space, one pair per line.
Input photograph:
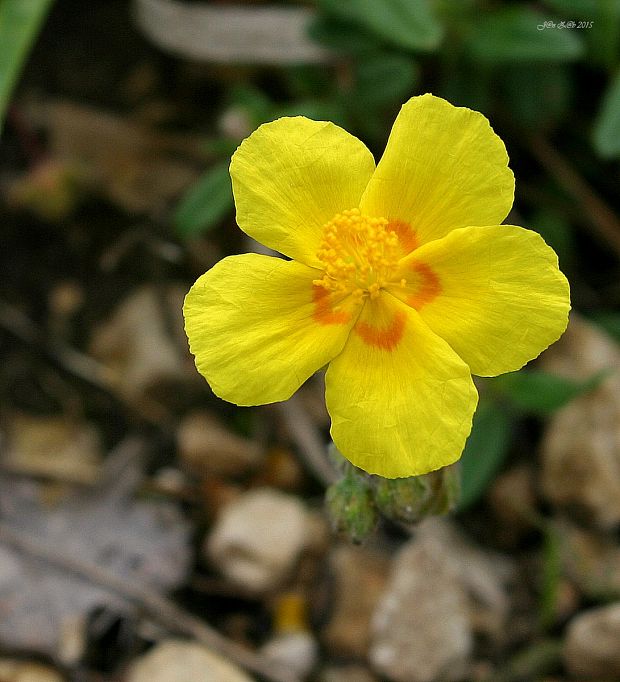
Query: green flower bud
[351,507]
[408,500]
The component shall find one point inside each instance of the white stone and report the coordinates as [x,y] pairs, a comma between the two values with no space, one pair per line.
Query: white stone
[258,537]
[295,651]
[178,661]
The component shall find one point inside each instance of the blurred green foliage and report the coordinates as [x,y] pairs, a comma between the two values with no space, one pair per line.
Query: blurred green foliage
[551,576]
[206,203]
[505,399]
[20,21]
[485,450]
[521,66]
[609,321]
[402,23]
[539,392]
[513,34]
[607,127]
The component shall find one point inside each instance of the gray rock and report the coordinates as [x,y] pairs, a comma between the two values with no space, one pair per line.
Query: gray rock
[441,591]
[591,648]
[591,560]
[482,574]
[421,628]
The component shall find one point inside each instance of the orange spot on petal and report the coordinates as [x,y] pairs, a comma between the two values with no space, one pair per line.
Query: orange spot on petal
[428,286]
[324,313]
[386,338]
[406,235]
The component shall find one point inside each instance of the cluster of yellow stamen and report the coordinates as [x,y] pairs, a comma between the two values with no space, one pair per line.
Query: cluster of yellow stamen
[359,254]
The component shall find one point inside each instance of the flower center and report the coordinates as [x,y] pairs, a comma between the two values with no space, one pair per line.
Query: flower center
[359,254]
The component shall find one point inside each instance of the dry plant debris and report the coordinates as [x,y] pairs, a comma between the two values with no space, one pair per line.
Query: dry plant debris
[134,540]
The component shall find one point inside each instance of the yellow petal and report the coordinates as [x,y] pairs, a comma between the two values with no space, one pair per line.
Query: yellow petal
[443,168]
[258,327]
[400,399]
[499,298]
[292,176]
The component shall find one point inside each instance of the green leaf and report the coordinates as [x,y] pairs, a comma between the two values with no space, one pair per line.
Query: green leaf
[607,124]
[205,203]
[20,21]
[512,34]
[341,35]
[384,78]
[485,451]
[404,23]
[253,101]
[541,392]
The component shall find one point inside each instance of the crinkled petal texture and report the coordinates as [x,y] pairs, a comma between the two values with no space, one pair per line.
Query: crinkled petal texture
[292,176]
[500,298]
[400,399]
[258,330]
[443,168]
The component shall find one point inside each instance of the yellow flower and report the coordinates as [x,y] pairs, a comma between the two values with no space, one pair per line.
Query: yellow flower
[401,278]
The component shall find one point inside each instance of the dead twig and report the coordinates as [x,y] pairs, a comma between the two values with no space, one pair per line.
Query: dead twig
[305,435]
[77,364]
[159,608]
[600,217]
